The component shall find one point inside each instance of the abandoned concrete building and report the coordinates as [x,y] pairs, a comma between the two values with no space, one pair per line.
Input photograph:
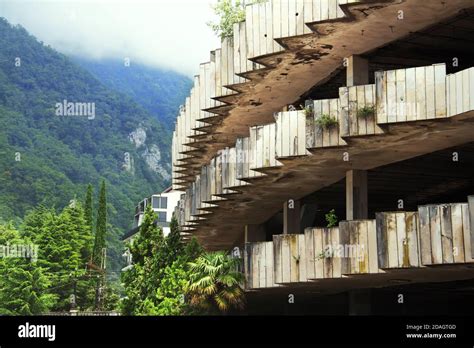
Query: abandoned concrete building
[332,143]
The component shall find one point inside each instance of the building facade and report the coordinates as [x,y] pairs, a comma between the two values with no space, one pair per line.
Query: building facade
[332,141]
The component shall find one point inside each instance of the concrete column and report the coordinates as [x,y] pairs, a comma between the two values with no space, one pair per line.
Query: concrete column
[357,71]
[356,195]
[360,302]
[291,217]
[255,233]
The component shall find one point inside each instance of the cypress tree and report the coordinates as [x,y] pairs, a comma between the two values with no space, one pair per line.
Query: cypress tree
[173,241]
[88,208]
[101,226]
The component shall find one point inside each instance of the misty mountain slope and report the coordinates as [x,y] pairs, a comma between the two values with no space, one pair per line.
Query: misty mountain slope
[50,158]
[159,91]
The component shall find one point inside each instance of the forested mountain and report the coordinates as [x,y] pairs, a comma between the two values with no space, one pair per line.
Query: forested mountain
[159,91]
[50,149]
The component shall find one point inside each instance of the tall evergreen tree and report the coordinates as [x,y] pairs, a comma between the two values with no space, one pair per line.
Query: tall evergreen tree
[174,244]
[101,226]
[88,208]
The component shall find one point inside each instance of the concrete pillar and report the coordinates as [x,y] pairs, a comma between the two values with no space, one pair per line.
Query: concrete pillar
[357,71]
[356,195]
[291,217]
[255,233]
[360,302]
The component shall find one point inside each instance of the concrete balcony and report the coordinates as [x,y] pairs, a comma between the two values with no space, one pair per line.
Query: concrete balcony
[434,243]
[365,124]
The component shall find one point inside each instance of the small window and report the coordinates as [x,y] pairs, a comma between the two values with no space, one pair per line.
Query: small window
[156,202]
[162,216]
[164,202]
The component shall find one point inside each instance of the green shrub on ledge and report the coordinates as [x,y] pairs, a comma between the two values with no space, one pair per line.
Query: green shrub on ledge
[366,111]
[326,121]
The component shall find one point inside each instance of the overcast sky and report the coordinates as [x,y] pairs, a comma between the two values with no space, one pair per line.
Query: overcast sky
[165,33]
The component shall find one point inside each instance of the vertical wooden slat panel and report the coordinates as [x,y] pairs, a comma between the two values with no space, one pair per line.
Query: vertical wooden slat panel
[284,18]
[292,18]
[324,10]
[299,17]
[425,235]
[308,15]
[373,266]
[471,88]
[301,133]
[285,129]
[353,241]
[248,265]
[345,118]
[286,259]
[402,241]
[381,96]
[457,233]
[262,265]
[269,264]
[392,241]
[276,8]
[327,261]
[446,233]
[452,95]
[336,261]
[325,110]
[465,89]
[269,27]
[440,90]
[401,95]
[430,92]
[435,227]
[362,121]
[468,227]
[411,224]
[262,22]
[294,257]
[309,253]
[391,96]
[318,253]
[420,93]
[354,122]
[318,131]
[334,131]
[255,266]
[468,216]
[302,257]
[344,238]
[370,101]
[249,30]
[277,261]
[382,244]
[363,246]
[410,78]
[459,92]
[237,50]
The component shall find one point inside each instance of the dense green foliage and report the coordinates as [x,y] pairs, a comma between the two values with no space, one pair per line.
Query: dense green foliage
[156,282]
[159,91]
[45,158]
[89,207]
[167,278]
[23,283]
[59,276]
[215,283]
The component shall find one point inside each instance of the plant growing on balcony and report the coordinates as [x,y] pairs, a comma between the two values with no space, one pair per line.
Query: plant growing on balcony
[229,13]
[366,111]
[331,218]
[308,111]
[215,283]
[326,121]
